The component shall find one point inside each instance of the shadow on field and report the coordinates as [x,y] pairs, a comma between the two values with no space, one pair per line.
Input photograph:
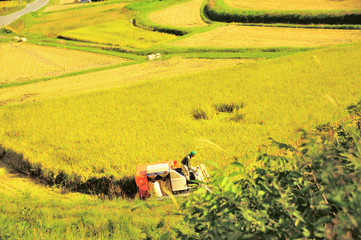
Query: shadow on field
[104,186]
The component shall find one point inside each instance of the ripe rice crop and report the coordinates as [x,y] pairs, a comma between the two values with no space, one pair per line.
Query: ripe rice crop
[69,5]
[114,78]
[181,15]
[30,210]
[22,62]
[108,133]
[118,33]
[248,36]
[51,24]
[294,4]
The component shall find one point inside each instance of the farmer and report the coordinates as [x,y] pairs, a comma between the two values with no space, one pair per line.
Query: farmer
[185,163]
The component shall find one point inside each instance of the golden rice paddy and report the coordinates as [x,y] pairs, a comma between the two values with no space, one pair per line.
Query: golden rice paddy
[246,36]
[69,4]
[181,15]
[118,33]
[114,78]
[51,24]
[61,2]
[53,8]
[295,4]
[22,62]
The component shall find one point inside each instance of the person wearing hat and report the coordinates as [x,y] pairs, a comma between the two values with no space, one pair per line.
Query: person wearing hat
[185,163]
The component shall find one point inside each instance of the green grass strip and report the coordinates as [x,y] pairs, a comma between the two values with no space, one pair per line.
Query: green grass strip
[70,74]
[101,49]
[217,10]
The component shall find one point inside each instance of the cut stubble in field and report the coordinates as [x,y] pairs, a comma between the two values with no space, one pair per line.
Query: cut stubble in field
[22,62]
[111,78]
[246,36]
[295,4]
[181,15]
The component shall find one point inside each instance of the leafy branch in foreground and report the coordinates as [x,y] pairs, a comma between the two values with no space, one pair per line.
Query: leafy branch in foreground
[312,190]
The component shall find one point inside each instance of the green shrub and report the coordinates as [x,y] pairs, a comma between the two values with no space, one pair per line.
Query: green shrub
[312,190]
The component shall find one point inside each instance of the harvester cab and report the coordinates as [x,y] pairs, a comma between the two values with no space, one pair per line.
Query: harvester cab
[165,178]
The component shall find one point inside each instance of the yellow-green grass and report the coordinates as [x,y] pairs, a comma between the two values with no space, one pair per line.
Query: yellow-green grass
[30,210]
[248,36]
[294,4]
[110,132]
[22,62]
[51,24]
[110,78]
[181,15]
[118,33]
[67,6]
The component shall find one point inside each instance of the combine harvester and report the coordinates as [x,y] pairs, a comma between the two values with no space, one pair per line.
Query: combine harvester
[166,178]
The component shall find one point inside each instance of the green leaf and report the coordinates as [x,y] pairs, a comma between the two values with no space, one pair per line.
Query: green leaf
[237,164]
[233,174]
[166,236]
[306,232]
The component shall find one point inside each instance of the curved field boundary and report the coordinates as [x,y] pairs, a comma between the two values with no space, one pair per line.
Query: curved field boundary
[181,15]
[143,21]
[233,36]
[116,33]
[217,10]
[294,4]
[125,187]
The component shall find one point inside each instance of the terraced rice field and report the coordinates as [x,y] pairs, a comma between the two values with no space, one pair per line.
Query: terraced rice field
[109,132]
[181,15]
[295,4]
[52,24]
[247,36]
[67,6]
[114,78]
[118,33]
[22,62]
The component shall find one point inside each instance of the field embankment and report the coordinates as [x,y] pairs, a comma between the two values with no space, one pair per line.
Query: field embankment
[21,62]
[233,36]
[294,4]
[107,79]
[217,10]
[78,136]
[9,7]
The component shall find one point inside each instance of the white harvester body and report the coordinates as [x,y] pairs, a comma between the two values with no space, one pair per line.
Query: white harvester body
[165,178]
